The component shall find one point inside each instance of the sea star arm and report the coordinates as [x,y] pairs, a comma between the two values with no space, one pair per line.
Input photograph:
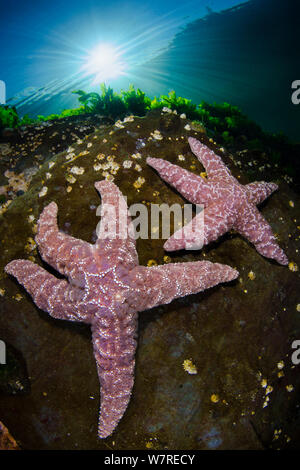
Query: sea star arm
[257,192]
[55,296]
[114,353]
[252,225]
[191,186]
[159,285]
[116,221]
[58,249]
[207,226]
[213,164]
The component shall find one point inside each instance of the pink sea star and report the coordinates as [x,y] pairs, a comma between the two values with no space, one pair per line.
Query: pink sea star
[227,204]
[106,287]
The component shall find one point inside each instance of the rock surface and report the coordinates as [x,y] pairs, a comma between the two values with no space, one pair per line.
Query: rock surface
[237,337]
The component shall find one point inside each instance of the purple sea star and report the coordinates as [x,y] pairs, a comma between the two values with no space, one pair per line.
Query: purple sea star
[227,204]
[106,287]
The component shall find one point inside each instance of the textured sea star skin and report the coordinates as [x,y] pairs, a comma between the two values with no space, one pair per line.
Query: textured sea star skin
[106,287]
[227,204]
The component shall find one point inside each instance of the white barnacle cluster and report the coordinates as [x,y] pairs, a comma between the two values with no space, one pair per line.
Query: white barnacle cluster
[109,166]
[77,170]
[156,135]
[120,124]
[43,191]
[139,182]
[127,164]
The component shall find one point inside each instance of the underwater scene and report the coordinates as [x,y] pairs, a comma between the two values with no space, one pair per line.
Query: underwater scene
[150,227]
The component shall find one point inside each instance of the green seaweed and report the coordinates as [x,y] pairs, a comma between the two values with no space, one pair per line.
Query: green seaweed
[136,102]
[174,102]
[109,103]
[8,116]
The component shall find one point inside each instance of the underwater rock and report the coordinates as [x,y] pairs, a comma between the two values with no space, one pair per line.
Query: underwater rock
[30,146]
[10,135]
[169,122]
[238,337]
[13,374]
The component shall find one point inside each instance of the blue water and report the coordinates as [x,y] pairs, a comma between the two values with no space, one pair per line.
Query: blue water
[244,53]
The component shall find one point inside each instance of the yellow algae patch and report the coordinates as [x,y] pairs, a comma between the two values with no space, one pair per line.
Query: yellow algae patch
[100,156]
[293,266]
[18,297]
[30,245]
[136,156]
[107,176]
[264,383]
[269,389]
[149,445]
[83,153]
[151,262]
[139,182]
[71,179]
[214,398]
[189,367]
[276,434]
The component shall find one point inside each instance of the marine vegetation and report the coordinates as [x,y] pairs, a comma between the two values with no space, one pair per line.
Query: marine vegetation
[223,122]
